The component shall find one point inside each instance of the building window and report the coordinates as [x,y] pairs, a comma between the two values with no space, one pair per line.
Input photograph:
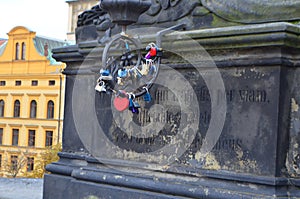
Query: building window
[0,161]
[17,108]
[18,83]
[51,82]
[50,110]
[2,104]
[14,162]
[31,138]
[17,51]
[15,137]
[49,138]
[34,82]
[30,164]
[33,107]
[2,83]
[23,51]
[1,136]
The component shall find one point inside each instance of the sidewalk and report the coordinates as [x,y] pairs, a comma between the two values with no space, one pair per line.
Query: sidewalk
[21,188]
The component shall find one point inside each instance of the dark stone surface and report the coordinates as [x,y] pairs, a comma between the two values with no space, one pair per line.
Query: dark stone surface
[256,155]
[125,12]
[113,184]
[252,11]
[196,14]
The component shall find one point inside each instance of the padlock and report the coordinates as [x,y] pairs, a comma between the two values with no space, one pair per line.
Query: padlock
[152,70]
[145,69]
[133,105]
[121,101]
[122,73]
[159,52]
[105,75]
[138,74]
[100,87]
[130,103]
[153,51]
[104,72]
[131,72]
[135,110]
[134,73]
[147,96]
[136,104]
[119,81]
[148,56]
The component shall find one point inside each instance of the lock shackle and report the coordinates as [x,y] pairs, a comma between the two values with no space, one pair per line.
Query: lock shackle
[147,90]
[121,93]
[131,96]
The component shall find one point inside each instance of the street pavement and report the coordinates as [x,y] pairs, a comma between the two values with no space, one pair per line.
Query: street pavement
[21,188]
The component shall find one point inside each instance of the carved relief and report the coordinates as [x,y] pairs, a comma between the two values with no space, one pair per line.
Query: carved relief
[254,11]
[168,10]
[95,16]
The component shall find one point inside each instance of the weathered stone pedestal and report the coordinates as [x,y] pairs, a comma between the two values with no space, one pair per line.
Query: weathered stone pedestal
[257,154]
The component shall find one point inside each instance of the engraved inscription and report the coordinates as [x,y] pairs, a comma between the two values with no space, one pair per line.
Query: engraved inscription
[248,95]
[243,95]
[171,117]
[228,144]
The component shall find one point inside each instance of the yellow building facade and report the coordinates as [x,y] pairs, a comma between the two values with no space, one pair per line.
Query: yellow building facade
[31,100]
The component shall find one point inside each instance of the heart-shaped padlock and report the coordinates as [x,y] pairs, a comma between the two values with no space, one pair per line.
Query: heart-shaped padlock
[121,103]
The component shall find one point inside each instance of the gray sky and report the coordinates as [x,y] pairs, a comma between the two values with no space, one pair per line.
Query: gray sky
[46,18]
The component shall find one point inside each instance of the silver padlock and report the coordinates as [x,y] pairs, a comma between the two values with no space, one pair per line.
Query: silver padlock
[100,87]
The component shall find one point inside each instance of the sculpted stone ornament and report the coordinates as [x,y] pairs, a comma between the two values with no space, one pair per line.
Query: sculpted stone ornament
[168,10]
[100,19]
[125,12]
[96,16]
[194,13]
[254,11]
[221,12]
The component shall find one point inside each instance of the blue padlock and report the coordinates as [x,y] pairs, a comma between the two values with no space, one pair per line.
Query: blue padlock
[130,107]
[133,105]
[122,73]
[135,110]
[105,72]
[136,104]
[105,75]
[147,96]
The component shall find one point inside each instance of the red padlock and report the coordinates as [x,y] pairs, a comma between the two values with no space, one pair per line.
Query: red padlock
[121,101]
[153,51]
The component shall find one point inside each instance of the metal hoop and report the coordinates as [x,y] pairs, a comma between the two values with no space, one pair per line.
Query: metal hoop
[106,62]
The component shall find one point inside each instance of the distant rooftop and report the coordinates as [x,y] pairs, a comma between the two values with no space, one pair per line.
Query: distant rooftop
[3,43]
[41,44]
[41,41]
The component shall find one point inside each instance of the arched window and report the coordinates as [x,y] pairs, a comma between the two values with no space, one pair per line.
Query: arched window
[2,104]
[17,108]
[50,110]
[33,108]
[17,51]
[23,51]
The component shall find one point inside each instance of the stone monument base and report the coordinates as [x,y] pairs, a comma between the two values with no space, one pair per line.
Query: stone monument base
[99,181]
[256,155]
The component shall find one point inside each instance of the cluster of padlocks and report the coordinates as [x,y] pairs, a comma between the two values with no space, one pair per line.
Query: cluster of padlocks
[125,70]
